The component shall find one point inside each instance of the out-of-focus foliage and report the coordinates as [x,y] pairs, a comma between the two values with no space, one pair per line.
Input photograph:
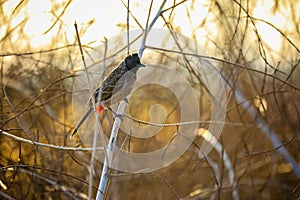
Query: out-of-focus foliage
[36,95]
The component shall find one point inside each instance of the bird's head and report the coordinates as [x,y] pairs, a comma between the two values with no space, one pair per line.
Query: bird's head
[133,61]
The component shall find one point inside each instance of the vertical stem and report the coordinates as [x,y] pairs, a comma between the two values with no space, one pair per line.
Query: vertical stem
[97,122]
[104,181]
[128,48]
[1,86]
[148,28]
[90,193]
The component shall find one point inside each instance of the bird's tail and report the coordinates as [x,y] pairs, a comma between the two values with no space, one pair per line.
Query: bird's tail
[83,118]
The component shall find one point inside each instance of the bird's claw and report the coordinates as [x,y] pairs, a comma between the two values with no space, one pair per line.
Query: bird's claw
[113,112]
[126,100]
[121,116]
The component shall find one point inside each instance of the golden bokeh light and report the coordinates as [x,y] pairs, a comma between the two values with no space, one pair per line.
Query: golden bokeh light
[101,20]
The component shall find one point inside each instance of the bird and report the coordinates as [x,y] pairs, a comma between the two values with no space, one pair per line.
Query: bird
[115,87]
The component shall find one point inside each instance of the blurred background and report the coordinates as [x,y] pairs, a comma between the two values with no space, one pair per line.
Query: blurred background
[255,45]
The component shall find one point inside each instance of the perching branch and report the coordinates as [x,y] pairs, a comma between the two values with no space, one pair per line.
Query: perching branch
[104,181]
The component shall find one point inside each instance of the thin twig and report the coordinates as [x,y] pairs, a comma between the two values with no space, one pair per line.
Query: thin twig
[36,99]
[135,19]
[168,184]
[186,123]
[227,62]
[6,196]
[59,16]
[271,25]
[97,128]
[20,139]
[142,48]
[55,185]
[26,130]
[128,46]
[90,193]
[174,6]
[15,167]
[82,55]
[7,54]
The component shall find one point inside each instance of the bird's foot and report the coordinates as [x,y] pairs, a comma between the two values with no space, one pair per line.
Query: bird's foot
[116,115]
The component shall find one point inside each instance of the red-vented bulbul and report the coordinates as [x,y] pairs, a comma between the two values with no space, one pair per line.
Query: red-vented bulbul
[115,87]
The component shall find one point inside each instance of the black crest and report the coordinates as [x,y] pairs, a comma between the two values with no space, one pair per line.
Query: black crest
[133,61]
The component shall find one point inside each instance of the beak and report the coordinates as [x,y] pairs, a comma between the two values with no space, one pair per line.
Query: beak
[140,65]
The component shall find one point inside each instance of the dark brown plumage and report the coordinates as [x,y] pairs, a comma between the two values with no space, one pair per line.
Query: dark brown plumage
[115,87]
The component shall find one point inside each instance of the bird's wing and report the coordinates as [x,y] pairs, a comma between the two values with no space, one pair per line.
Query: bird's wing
[111,82]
